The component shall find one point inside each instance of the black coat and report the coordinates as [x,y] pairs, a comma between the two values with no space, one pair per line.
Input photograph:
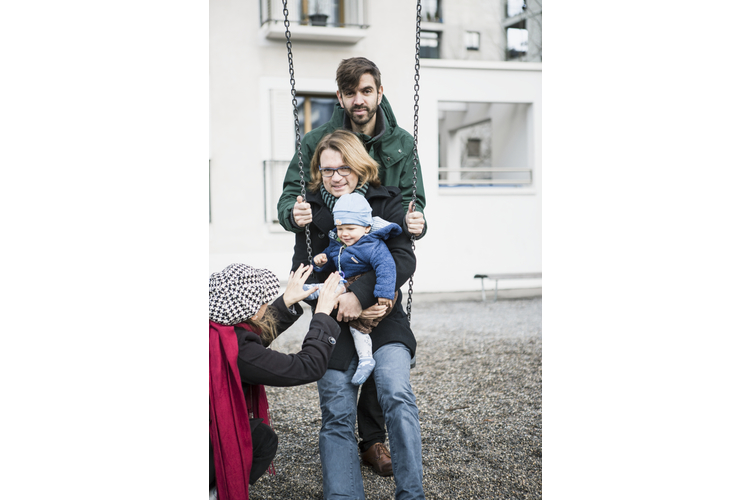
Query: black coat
[385,203]
[259,365]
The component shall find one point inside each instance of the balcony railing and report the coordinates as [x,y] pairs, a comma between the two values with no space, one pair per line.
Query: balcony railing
[342,21]
[484,177]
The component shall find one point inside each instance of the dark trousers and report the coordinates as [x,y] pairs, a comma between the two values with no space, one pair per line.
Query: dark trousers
[265,443]
[370,419]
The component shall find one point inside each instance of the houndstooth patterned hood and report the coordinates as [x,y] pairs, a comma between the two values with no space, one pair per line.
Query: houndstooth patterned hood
[236,293]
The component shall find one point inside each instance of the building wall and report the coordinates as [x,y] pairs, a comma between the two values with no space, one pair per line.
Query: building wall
[478,230]
[471,230]
[484,16]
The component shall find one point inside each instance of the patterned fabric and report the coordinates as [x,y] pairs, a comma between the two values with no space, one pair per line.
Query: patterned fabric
[330,201]
[238,292]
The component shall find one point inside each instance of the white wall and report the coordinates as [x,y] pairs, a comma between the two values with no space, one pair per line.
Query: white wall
[470,230]
[476,230]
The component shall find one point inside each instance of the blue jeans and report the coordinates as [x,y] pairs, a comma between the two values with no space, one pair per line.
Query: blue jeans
[342,477]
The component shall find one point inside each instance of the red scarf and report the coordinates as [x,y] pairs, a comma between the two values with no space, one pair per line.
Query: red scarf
[228,410]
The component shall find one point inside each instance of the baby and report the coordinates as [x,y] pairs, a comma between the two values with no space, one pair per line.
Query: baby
[357,246]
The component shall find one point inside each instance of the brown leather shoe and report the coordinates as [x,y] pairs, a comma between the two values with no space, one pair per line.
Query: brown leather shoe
[379,458]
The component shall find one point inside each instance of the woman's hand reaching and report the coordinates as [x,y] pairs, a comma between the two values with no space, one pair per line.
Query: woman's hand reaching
[294,292]
[329,294]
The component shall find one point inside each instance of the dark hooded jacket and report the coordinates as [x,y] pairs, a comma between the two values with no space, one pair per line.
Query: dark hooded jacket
[391,146]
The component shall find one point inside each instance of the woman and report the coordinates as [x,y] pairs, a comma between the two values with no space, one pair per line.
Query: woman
[341,165]
[242,323]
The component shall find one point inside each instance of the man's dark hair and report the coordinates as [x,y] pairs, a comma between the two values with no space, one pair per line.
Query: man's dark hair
[351,70]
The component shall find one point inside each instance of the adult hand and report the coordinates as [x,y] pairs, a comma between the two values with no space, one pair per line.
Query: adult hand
[374,312]
[302,212]
[294,292]
[329,294]
[349,307]
[414,220]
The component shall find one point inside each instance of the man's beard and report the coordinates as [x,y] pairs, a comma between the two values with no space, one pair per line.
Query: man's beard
[364,119]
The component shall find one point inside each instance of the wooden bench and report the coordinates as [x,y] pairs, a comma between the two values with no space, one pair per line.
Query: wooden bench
[506,276]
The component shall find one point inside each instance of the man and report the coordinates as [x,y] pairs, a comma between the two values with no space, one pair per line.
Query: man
[363,109]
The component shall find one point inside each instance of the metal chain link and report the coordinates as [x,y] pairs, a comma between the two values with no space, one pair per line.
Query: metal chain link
[296,126]
[414,167]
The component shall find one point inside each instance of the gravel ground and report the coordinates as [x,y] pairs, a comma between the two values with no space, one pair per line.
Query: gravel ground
[478,384]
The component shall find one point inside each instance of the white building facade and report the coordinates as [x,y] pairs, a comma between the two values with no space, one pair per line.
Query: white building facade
[479,124]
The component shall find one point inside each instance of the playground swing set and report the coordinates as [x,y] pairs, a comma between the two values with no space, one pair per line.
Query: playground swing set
[299,137]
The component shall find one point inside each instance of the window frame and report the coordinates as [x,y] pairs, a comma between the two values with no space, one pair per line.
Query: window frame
[512,121]
[274,168]
[438,36]
[472,40]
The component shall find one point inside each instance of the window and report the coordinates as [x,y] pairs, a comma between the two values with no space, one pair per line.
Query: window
[515,7]
[518,40]
[313,111]
[328,21]
[429,45]
[484,144]
[471,38]
[473,148]
[323,12]
[523,30]
[431,11]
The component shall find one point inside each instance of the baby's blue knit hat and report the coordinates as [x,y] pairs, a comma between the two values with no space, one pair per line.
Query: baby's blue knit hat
[352,208]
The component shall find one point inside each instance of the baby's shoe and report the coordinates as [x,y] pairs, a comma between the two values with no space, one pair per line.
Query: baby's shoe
[364,369]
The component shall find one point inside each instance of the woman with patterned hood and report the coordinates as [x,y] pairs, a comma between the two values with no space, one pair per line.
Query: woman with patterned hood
[244,319]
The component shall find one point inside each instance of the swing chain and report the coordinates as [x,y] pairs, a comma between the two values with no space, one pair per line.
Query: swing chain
[296,127]
[299,143]
[414,167]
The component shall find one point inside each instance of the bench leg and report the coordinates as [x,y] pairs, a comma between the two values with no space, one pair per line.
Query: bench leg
[483,297]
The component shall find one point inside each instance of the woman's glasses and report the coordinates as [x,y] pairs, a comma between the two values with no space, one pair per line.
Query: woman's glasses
[328,172]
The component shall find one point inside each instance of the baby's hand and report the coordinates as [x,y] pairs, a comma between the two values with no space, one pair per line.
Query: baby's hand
[320,259]
[385,302]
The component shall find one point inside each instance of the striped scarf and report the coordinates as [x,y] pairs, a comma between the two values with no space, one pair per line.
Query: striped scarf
[330,201]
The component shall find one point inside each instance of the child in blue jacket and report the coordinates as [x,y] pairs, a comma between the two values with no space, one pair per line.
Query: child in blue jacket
[357,246]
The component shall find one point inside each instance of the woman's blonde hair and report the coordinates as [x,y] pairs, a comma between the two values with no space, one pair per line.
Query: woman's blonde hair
[353,153]
[266,325]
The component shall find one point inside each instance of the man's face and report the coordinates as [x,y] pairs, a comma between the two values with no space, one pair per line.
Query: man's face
[361,103]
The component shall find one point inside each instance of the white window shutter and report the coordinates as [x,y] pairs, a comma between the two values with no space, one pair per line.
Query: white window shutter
[283,139]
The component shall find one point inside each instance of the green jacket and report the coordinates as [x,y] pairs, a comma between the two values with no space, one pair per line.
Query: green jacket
[392,147]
